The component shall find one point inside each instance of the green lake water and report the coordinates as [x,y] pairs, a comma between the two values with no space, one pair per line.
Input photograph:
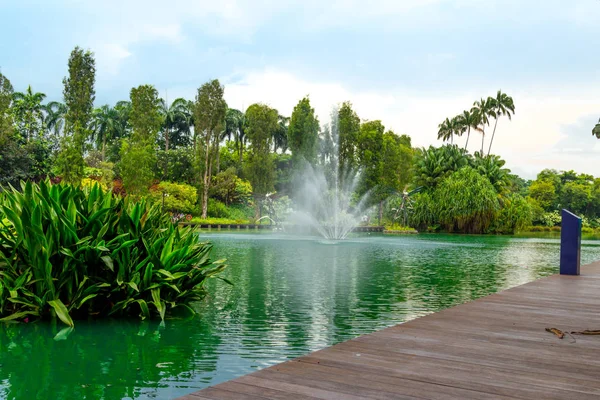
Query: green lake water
[291,296]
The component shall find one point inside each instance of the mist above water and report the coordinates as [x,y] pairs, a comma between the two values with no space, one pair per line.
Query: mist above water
[325,198]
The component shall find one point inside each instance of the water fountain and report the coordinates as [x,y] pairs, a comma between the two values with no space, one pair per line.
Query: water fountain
[325,198]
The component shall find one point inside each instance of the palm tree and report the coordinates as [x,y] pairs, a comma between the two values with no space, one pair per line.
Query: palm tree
[503,105]
[280,134]
[123,109]
[105,123]
[445,130]
[467,121]
[29,112]
[55,116]
[175,116]
[235,122]
[184,121]
[483,110]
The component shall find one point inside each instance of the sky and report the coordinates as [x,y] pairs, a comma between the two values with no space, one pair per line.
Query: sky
[408,63]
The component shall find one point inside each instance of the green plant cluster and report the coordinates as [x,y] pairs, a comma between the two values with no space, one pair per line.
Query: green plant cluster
[72,253]
[175,197]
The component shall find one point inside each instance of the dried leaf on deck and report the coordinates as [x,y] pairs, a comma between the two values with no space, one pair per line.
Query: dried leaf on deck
[560,334]
[587,332]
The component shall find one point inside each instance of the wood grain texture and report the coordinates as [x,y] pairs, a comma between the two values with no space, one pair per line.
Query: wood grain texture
[491,348]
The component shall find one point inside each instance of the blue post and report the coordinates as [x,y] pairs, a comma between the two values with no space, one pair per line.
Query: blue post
[570,243]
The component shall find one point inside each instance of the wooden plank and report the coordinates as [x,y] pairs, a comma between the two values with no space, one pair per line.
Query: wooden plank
[494,347]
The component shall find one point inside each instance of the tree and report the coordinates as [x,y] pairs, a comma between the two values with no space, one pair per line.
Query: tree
[503,105]
[348,127]
[446,130]
[280,135]
[235,126]
[209,116]
[176,122]
[303,134]
[370,156]
[467,120]
[491,167]
[6,96]
[79,96]
[261,122]
[576,197]
[28,113]
[483,110]
[137,153]
[55,117]
[104,126]
[466,202]
[434,164]
[544,192]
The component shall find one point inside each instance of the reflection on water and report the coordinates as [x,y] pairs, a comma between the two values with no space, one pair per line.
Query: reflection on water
[291,296]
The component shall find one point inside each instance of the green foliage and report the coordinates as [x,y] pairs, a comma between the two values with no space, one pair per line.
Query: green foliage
[138,158]
[6,94]
[176,165]
[136,166]
[71,253]
[217,209]
[544,192]
[261,122]
[145,117]
[464,202]
[229,188]
[303,134]
[575,197]
[175,196]
[79,95]
[490,166]
[209,118]
[27,112]
[551,218]
[348,125]
[434,164]
[515,215]
[369,152]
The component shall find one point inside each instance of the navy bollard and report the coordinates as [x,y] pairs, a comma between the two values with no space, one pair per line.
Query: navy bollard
[570,243]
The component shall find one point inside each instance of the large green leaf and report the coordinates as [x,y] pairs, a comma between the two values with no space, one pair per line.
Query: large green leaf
[61,312]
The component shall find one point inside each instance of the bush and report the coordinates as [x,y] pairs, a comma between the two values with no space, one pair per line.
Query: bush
[217,209]
[514,216]
[176,165]
[73,253]
[178,197]
[230,189]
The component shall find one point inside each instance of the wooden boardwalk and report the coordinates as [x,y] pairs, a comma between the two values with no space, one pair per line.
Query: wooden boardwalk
[490,348]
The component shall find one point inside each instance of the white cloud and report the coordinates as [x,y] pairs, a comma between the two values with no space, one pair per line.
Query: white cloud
[532,141]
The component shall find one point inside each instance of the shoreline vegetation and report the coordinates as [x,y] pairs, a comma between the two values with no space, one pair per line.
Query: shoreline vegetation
[90,194]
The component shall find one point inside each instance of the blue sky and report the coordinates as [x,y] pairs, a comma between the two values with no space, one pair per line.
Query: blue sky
[410,63]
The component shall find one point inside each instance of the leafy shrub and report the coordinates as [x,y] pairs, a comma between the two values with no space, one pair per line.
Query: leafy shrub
[514,216]
[177,196]
[73,253]
[551,218]
[228,188]
[176,165]
[217,209]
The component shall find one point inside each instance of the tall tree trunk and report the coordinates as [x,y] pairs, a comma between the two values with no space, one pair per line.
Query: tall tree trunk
[492,139]
[206,178]
[482,140]
[256,209]
[167,140]
[103,147]
[380,212]
[468,135]
[166,154]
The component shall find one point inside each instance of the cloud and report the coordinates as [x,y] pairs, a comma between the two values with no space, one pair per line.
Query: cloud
[548,125]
